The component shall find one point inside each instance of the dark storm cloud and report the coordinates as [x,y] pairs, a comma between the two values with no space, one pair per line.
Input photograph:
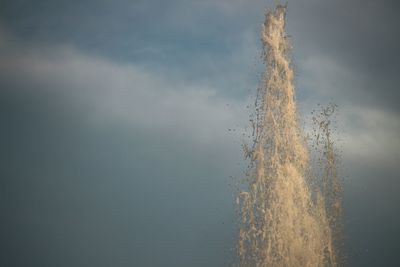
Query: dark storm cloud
[81,193]
[360,36]
[360,33]
[100,195]
[110,164]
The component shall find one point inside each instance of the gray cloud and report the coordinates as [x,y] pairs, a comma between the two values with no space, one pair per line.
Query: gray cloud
[359,37]
[119,160]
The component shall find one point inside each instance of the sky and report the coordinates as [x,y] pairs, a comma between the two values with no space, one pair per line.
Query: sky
[121,120]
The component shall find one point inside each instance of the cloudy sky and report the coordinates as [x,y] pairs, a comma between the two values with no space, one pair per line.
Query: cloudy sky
[120,125]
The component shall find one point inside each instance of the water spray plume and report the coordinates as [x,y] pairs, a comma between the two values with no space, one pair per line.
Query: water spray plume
[284,220]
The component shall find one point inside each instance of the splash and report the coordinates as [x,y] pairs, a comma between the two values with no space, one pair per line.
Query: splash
[286,219]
